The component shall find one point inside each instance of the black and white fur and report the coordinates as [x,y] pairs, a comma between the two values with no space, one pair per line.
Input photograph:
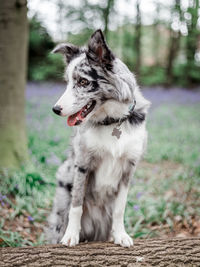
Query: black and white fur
[93,182]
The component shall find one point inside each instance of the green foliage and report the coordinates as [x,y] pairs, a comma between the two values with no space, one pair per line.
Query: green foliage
[152,75]
[42,65]
[81,38]
[167,55]
[189,70]
[155,199]
[12,239]
[27,195]
[39,40]
[177,132]
[51,68]
[122,42]
[193,72]
[45,66]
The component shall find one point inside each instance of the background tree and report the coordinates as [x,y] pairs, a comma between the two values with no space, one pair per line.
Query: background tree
[174,40]
[156,33]
[88,14]
[192,72]
[161,46]
[106,13]
[42,65]
[13,57]
[137,39]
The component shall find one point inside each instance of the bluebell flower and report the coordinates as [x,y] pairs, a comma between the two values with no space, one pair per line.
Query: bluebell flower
[136,207]
[2,197]
[31,219]
[139,194]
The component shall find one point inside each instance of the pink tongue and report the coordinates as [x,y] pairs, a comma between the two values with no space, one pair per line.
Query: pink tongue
[73,119]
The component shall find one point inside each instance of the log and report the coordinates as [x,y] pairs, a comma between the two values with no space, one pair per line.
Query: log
[150,252]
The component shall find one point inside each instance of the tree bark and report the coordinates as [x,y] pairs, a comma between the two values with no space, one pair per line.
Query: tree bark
[156,34]
[106,13]
[152,252]
[174,43]
[13,57]
[192,37]
[137,41]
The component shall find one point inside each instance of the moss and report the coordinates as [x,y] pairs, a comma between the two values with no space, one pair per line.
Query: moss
[13,146]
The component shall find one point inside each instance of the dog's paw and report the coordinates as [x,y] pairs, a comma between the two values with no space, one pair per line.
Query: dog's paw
[122,239]
[70,239]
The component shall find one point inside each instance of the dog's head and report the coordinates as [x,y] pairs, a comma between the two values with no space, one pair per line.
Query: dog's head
[94,76]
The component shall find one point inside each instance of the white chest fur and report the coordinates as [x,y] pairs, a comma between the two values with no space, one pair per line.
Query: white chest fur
[115,153]
[108,174]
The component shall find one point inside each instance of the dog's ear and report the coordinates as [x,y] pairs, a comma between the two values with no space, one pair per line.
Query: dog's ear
[69,51]
[98,51]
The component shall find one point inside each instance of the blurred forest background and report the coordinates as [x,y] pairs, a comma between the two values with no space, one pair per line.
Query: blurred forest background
[160,43]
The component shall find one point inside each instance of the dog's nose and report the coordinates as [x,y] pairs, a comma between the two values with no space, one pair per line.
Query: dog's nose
[57,109]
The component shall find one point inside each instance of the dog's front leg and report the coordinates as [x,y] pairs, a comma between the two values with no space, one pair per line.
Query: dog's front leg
[71,236]
[118,232]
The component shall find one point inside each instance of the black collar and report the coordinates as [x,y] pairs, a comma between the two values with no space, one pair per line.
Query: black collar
[134,117]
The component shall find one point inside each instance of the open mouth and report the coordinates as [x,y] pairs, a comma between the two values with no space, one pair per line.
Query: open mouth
[79,116]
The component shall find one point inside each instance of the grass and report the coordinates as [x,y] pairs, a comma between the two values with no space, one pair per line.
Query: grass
[164,196]
[167,189]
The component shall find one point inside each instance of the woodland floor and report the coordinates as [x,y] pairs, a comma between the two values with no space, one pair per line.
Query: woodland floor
[164,199]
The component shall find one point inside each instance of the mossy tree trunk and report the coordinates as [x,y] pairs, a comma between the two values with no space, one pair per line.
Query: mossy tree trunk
[13,60]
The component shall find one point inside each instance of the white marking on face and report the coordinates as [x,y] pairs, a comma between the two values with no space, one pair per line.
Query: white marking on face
[67,100]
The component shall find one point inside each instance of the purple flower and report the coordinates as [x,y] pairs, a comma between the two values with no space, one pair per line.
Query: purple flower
[136,207]
[31,219]
[53,160]
[2,197]
[139,194]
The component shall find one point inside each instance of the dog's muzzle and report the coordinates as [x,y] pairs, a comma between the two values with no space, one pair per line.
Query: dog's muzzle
[57,109]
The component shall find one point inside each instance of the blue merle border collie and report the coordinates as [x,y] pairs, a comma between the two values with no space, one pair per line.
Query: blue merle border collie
[104,104]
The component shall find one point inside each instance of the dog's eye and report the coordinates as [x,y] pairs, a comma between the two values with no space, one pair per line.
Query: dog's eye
[83,82]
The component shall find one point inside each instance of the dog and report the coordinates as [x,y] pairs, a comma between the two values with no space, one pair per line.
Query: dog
[104,104]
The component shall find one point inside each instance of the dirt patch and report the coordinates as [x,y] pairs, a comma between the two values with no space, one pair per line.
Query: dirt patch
[182,227]
[23,224]
[163,169]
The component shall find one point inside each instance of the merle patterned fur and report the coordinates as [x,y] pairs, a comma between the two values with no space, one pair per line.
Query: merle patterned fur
[93,182]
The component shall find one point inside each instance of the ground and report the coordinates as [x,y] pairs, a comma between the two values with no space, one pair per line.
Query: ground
[164,198]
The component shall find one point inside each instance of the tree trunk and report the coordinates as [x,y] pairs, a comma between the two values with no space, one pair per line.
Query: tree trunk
[173,50]
[156,34]
[138,38]
[152,252]
[192,38]
[106,13]
[13,57]
[174,44]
